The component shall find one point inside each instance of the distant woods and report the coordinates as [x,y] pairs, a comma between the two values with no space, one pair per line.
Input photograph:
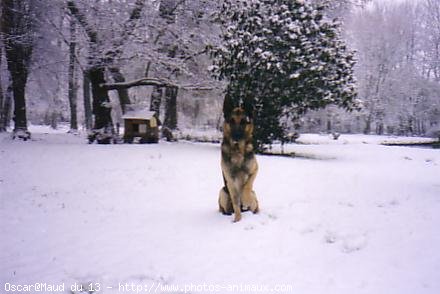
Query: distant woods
[397,47]
[65,61]
[399,66]
[54,53]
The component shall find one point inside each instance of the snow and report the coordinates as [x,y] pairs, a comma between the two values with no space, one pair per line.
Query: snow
[348,216]
[294,75]
[138,114]
[314,139]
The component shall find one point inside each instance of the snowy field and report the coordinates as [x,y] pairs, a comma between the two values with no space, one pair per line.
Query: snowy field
[347,216]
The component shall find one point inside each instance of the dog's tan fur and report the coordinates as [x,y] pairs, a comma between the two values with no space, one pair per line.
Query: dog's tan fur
[239,165]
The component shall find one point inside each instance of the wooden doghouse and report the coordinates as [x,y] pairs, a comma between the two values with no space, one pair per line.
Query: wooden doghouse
[141,124]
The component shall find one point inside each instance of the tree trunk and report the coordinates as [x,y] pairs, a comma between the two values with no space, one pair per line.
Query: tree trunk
[72,91]
[380,128]
[7,106]
[17,26]
[156,99]
[2,122]
[367,129]
[124,98]
[5,115]
[329,125]
[2,97]
[19,79]
[87,101]
[170,120]
[101,107]
[167,11]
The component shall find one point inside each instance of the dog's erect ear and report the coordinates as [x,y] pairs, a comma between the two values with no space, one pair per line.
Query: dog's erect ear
[248,106]
[228,106]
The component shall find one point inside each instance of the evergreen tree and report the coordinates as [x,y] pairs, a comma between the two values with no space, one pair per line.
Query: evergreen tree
[287,58]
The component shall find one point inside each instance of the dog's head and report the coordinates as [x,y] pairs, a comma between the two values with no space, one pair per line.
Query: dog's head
[238,126]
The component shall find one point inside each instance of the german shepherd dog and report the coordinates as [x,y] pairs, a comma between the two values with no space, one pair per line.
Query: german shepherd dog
[238,162]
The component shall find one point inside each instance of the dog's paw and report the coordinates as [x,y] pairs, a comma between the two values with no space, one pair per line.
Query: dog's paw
[237,218]
[256,210]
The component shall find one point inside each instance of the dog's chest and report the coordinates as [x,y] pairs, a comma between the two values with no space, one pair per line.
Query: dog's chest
[237,160]
[239,164]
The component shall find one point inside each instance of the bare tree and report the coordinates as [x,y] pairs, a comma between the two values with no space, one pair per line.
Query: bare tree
[2,97]
[431,20]
[5,101]
[17,27]
[99,61]
[72,91]
[167,11]
[88,114]
[184,28]
[397,57]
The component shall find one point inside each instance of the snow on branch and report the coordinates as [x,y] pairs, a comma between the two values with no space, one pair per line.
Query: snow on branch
[82,20]
[154,82]
[140,82]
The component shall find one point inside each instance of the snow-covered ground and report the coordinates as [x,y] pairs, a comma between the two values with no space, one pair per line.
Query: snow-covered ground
[348,216]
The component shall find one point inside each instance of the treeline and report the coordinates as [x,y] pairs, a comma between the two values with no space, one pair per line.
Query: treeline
[397,71]
[87,62]
[65,58]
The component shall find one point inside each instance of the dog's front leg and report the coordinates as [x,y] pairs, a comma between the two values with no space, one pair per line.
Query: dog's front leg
[235,190]
[236,200]
[249,199]
[234,193]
